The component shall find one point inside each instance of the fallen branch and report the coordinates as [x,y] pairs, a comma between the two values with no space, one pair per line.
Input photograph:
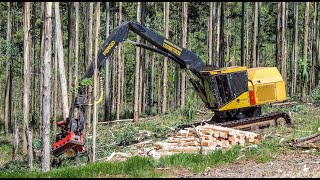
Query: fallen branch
[286,103]
[197,133]
[129,120]
[205,112]
[111,156]
[143,143]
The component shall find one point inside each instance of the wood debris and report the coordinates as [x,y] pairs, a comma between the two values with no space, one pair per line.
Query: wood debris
[312,141]
[211,137]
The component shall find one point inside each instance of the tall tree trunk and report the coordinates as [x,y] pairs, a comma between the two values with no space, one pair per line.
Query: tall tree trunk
[55,102]
[228,37]
[76,48]
[255,32]
[89,59]
[95,82]
[70,49]
[29,133]
[151,84]
[165,61]
[119,68]
[114,69]
[142,63]
[45,160]
[313,49]
[41,60]
[278,36]
[33,83]
[107,115]
[15,147]
[305,51]
[295,51]
[1,66]
[137,68]
[247,39]
[26,68]
[218,33]
[8,60]
[258,40]
[121,61]
[184,45]
[284,43]
[316,79]
[222,43]
[242,35]
[211,19]
[63,80]
[176,78]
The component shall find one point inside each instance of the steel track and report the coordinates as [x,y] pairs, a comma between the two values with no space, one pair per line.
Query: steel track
[252,123]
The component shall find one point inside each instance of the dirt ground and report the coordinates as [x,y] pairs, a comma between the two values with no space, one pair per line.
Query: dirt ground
[294,165]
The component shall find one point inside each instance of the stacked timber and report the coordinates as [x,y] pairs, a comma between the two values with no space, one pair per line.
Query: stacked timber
[207,137]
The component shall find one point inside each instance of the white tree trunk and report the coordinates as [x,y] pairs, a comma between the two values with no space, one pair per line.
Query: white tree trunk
[95,82]
[184,45]
[29,133]
[15,143]
[89,60]
[63,80]
[26,65]
[26,80]
[45,160]
[136,77]
[76,48]
[165,61]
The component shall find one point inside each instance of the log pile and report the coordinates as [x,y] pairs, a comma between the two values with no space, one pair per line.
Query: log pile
[209,137]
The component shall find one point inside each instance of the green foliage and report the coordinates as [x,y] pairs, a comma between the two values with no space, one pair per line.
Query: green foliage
[36,143]
[189,110]
[128,136]
[304,69]
[86,82]
[294,108]
[5,149]
[16,166]
[315,95]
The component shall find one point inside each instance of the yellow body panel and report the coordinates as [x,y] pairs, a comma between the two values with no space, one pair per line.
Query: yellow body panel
[241,101]
[268,85]
[265,93]
[281,91]
[264,75]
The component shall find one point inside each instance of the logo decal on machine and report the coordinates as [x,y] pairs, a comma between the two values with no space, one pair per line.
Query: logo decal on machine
[105,52]
[171,47]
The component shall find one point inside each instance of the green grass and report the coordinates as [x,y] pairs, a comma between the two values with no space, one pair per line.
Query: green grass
[197,162]
[135,166]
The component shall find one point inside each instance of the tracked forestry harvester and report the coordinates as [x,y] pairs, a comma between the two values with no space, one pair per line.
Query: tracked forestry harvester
[234,94]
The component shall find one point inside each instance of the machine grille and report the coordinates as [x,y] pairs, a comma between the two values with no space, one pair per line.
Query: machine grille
[266,93]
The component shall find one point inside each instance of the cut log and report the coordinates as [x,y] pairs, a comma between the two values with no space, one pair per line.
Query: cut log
[231,138]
